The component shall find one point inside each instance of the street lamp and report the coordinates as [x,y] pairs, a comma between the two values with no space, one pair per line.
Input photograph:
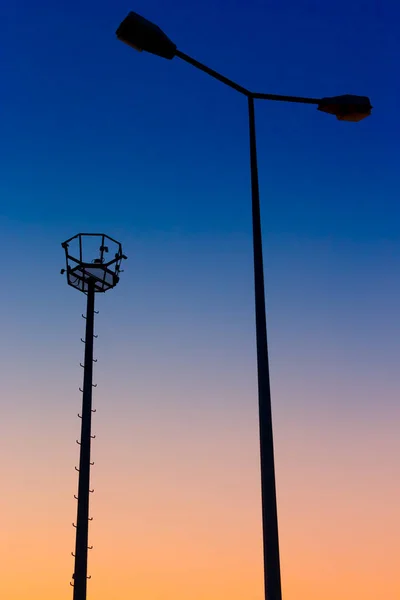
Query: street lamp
[93,265]
[141,34]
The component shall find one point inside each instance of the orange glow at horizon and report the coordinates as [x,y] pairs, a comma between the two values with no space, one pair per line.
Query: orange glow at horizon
[177,512]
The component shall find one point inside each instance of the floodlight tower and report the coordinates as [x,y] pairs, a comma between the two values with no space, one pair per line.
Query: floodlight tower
[89,272]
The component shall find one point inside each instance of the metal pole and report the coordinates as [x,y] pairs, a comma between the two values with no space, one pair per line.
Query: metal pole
[215,74]
[272,575]
[82,522]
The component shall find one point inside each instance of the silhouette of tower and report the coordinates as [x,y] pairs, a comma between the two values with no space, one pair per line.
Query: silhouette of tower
[88,271]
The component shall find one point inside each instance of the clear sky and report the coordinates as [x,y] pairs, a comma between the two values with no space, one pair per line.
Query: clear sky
[97,137]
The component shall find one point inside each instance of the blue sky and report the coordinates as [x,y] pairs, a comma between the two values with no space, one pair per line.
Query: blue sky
[96,136]
[88,119]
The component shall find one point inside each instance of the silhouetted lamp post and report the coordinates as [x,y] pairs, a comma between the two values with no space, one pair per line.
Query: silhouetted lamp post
[141,34]
[93,266]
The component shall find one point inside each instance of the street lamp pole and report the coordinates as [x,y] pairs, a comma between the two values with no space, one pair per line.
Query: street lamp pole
[141,34]
[272,571]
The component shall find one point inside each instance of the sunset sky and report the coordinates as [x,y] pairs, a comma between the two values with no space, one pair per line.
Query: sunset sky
[97,137]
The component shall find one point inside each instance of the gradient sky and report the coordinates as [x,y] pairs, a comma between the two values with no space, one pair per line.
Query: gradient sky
[96,137]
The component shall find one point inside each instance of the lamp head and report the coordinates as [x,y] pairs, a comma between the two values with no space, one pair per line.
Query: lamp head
[141,34]
[347,107]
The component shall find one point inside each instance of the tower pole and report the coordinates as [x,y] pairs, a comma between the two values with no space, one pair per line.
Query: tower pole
[82,522]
